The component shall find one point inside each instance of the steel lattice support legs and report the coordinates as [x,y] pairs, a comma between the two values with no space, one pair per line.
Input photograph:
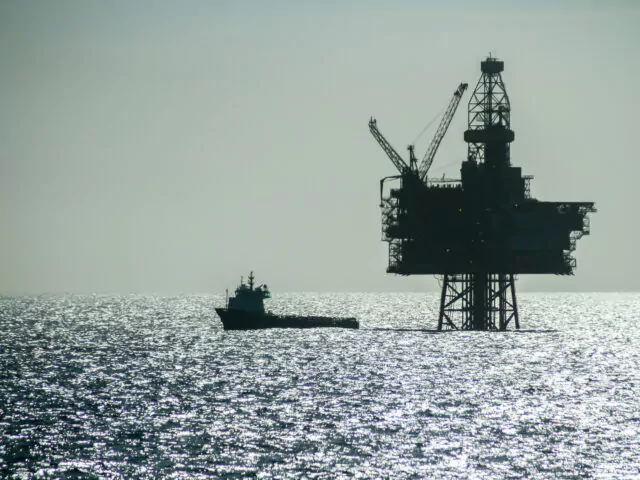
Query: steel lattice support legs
[478,302]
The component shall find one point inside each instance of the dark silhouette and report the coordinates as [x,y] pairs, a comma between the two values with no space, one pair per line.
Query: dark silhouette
[246,311]
[481,230]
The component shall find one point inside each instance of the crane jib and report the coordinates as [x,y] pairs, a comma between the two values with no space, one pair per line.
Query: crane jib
[425,165]
[395,158]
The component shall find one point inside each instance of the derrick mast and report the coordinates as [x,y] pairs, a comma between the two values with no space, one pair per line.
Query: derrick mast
[489,117]
[482,230]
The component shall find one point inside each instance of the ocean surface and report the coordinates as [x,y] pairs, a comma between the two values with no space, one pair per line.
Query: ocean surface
[152,387]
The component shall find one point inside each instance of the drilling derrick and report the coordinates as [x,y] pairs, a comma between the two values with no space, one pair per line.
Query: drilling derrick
[480,231]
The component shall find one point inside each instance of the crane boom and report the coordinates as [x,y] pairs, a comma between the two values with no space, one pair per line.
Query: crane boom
[442,129]
[386,146]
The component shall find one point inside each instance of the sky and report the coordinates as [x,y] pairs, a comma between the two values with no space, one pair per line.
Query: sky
[170,147]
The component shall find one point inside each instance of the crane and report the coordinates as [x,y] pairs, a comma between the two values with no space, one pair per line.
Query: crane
[386,146]
[442,129]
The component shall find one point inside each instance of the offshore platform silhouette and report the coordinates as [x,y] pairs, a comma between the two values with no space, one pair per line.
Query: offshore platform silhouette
[478,231]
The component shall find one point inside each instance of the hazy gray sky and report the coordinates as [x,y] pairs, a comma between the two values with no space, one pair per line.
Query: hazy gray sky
[158,146]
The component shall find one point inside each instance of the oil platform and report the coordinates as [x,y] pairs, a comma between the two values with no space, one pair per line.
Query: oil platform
[479,231]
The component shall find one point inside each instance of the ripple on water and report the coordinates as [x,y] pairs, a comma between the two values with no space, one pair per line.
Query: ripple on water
[142,386]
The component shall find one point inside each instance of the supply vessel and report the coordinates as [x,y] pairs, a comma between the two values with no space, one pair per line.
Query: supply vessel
[245,311]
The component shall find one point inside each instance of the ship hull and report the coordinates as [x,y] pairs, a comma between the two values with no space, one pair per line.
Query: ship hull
[243,320]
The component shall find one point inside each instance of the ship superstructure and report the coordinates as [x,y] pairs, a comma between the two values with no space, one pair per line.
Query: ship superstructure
[248,298]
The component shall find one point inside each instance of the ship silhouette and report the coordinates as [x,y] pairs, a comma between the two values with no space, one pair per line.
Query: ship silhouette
[245,311]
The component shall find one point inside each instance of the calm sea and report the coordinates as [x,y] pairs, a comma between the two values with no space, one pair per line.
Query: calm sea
[152,387]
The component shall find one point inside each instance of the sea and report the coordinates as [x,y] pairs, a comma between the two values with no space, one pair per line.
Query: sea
[139,386]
